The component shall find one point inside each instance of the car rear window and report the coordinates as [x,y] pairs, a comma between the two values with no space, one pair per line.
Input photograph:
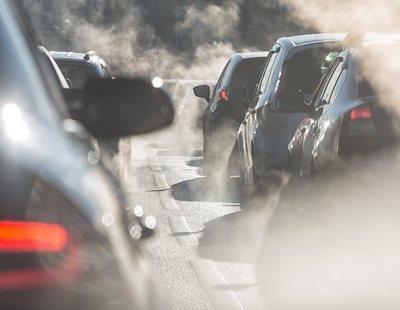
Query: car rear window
[77,73]
[247,73]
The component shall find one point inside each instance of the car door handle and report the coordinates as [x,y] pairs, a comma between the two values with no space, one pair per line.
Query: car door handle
[244,122]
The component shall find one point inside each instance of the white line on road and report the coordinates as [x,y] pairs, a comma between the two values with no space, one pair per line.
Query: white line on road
[160,181]
[182,231]
[167,201]
[210,278]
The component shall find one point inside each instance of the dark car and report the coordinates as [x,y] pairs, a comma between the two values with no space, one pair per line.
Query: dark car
[58,76]
[63,238]
[78,68]
[295,64]
[223,115]
[344,118]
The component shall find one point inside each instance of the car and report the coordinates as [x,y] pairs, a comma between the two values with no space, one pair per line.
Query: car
[147,224]
[223,115]
[80,67]
[294,64]
[58,76]
[344,118]
[63,237]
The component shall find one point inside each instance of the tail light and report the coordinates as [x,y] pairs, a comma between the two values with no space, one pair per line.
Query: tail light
[223,94]
[359,113]
[31,237]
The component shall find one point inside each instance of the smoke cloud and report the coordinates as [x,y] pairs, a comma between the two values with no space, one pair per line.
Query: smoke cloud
[333,241]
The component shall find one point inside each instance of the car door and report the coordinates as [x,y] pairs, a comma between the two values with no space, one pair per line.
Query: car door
[245,133]
[310,129]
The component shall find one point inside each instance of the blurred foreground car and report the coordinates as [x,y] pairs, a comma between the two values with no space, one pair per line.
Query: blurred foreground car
[224,114]
[63,242]
[295,64]
[344,118]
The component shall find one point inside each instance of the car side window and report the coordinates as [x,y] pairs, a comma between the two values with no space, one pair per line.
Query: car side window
[326,83]
[267,73]
[331,84]
[338,86]
[218,85]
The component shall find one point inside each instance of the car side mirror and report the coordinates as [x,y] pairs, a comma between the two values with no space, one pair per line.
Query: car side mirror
[202,91]
[238,95]
[115,108]
[290,102]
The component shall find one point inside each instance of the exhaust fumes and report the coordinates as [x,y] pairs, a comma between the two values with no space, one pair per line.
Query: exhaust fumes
[333,241]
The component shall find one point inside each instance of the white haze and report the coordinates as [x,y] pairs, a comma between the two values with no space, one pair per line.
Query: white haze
[334,242]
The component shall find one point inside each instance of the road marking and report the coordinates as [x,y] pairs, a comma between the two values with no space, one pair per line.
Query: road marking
[155,167]
[210,278]
[160,181]
[167,201]
[182,231]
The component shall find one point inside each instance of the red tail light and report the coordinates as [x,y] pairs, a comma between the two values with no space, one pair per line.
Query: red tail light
[31,237]
[363,112]
[223,94]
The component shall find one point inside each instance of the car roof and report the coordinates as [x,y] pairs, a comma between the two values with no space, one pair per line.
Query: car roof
[311,39]
[89,57]
[316,38]
[249,55]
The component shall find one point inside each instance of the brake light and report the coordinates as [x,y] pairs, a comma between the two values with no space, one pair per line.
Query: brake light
[223,94]
[363,112]
[31,237]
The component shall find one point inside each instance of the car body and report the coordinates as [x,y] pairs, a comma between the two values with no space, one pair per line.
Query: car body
[222,116]
[58,76]
[64,242]
[295,63]
[77,68]
[344,119]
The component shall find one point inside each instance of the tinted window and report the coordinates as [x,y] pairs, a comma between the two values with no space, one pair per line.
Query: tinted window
[323,84]
[303,71]
[326,97]
[78,73]
[267,73]
[247,73]
[338,86]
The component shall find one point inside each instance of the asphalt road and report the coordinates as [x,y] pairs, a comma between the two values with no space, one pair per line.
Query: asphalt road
[205,249]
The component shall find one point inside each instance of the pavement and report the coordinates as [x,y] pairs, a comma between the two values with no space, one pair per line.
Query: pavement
[205,249]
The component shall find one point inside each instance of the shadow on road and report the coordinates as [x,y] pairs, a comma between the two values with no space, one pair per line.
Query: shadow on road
[204,189]
[235,237]
[195,163]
